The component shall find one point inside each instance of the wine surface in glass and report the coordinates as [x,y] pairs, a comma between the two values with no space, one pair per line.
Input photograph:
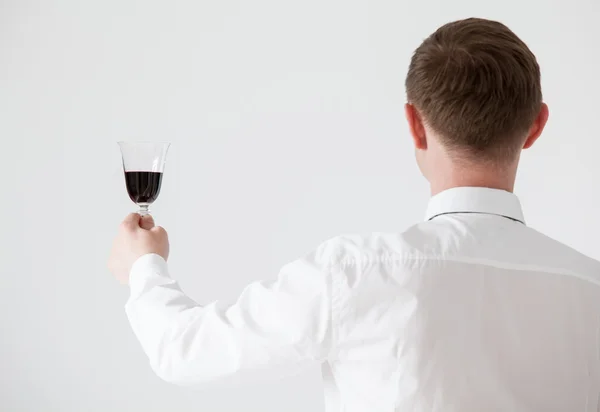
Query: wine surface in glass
[143,187]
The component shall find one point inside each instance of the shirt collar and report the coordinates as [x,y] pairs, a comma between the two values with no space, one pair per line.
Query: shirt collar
[476,200]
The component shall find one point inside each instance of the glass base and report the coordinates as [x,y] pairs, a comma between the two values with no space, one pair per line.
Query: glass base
[144,210]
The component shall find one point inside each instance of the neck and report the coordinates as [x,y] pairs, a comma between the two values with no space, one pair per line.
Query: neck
[473,176]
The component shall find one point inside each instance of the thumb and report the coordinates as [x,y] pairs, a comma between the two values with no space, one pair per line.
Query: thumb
[132,220]
[147,222]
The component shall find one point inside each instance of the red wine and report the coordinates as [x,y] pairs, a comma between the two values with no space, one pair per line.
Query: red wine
[143,187]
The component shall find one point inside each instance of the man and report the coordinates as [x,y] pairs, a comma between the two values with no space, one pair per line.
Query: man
[468,311]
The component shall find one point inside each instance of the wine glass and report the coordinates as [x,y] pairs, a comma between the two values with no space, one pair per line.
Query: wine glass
[143,164]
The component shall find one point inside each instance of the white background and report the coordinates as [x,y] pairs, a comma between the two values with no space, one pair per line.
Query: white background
[287,127]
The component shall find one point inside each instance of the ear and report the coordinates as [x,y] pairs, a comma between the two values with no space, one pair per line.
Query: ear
[538,126]
[416,127]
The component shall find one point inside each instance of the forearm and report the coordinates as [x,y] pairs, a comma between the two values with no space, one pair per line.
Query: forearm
[158,312]
[272,330]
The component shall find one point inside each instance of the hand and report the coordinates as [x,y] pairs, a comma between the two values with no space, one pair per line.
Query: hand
[137,237]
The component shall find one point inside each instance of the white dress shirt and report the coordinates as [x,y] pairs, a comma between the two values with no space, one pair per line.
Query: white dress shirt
[469,311]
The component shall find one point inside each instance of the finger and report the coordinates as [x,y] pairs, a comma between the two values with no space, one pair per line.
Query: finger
[132,220]
[158,229]
[147,222]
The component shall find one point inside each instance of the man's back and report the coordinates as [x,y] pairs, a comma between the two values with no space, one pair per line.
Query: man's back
[470,311]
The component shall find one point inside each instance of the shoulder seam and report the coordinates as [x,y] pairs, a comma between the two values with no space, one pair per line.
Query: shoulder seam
[352,261]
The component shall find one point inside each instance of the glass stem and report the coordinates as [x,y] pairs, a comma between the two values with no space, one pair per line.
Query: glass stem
[144,210]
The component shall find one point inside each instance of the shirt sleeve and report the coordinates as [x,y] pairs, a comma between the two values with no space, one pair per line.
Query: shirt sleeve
[273,329]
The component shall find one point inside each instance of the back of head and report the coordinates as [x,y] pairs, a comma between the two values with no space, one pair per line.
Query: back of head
[477,85]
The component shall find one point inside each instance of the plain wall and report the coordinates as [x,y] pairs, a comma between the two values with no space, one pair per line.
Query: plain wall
[287,126]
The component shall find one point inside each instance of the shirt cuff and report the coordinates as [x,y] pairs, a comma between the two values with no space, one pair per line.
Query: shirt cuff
[144,269]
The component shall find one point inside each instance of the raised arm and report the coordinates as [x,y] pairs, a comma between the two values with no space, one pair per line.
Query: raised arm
[273,329]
